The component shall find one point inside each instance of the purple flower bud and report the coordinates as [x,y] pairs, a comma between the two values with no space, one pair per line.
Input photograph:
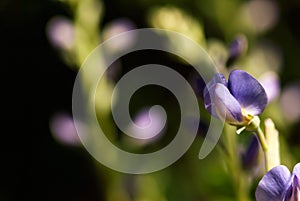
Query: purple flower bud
[250,157]
[237,47]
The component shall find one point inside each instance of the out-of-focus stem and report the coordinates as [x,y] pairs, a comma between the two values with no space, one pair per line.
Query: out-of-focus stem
[87,17]
[234,166]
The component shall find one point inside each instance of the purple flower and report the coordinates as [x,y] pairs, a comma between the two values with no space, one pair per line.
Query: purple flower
[60,32]
[148,125]
[237,101]
[271,83]
[280,185]
[63,129]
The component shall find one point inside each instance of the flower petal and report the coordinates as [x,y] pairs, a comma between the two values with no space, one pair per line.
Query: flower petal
[296,189]
[250,157]
[209,91]
[296,170]
[293,191]
[208,104]
[226,106]
[288,192]
[273,185]
[248,91]
[218,78]
[293,185]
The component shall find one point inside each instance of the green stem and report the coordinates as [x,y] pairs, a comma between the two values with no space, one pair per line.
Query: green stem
[264,145]
[255,127]
[269,142]
[262,139]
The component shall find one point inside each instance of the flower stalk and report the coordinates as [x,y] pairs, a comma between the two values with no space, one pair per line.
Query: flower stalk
[272,138]
[269,141]
[262,139]
[254,126]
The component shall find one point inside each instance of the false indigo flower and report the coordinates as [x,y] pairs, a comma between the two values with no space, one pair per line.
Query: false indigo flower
[279,185]
[237,101]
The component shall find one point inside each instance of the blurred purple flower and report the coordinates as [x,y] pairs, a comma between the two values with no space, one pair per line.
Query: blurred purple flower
[116,27]
[237,101]
[250,157]
[60,32]
[290,101]
[148,125]
[261,14]
[270,82]
[236,48]
[279,185]
[63,129]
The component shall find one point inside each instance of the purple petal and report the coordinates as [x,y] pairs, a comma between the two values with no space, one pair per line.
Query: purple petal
[250,158]
[272,186]
[293,185]
[218,78]
[296,170]
[209,91]
[208,104]
[199,85]
[293,191]
[296,189]
[226,106]
[248,91]
[296,182]
[288,193]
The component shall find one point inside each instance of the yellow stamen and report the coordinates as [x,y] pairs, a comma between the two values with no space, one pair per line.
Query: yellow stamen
[248,117]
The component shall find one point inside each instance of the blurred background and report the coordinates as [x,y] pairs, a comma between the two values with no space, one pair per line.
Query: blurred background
[45,41]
